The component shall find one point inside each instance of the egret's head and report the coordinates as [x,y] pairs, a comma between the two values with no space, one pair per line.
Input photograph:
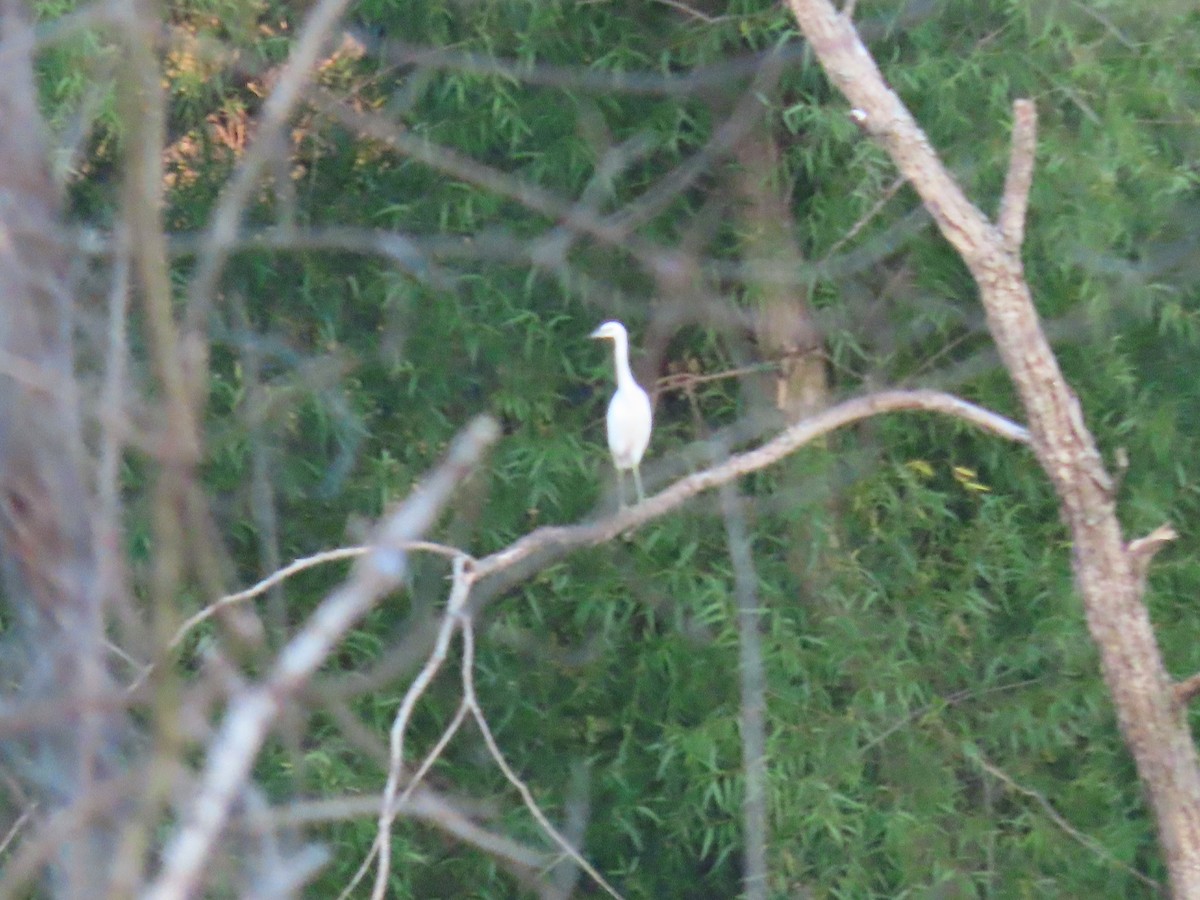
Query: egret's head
[611,330]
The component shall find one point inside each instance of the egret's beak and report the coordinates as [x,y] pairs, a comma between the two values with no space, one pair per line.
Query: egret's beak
[597,334]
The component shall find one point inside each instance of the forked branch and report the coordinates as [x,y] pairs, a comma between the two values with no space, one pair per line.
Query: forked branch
[252,714]
[1106,571]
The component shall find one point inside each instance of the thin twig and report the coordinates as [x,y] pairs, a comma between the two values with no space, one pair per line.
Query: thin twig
[294,568]
[953,699]
[387,813]
[685,381]
[294,75]
[424,805]
[865,219]
[8,838]
[327,556]
[694,13]
[1057,818]
[471,698]
[454,619]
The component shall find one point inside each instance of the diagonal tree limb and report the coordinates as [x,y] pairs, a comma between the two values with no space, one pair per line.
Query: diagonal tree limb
[508,566]
[252,713]
[1151,720]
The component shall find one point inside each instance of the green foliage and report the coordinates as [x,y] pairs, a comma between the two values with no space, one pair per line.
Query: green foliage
[920,624]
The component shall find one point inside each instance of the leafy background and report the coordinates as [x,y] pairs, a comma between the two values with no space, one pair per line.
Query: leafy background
[921,632]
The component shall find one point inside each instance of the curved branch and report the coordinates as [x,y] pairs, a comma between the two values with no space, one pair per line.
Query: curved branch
[555,541]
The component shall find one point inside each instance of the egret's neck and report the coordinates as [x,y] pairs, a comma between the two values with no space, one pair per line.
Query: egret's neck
[621,354]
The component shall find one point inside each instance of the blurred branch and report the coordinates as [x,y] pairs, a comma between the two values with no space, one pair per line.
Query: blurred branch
[752,680]
[252,713]
[19,824]
[424,805]
[1087,841]
[57,832]
[290,82]
[1187,689]
[53,588]
[752,683]
[716,76]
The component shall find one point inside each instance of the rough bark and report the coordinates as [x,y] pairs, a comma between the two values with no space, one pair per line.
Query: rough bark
[1151,720]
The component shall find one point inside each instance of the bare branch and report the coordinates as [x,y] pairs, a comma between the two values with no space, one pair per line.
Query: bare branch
[694,13]
[1143,550]
[1146,703]
[1015,201]
[424,805]
[472,699]
[306,51]
[560,539]
[327,556]
[454,619]
[752,679]
[250,715]
[1187,689]
[294,568]
[450,623]
[24,817]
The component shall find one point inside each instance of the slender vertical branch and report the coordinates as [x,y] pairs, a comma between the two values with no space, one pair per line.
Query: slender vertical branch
[752,680]
[1014,202]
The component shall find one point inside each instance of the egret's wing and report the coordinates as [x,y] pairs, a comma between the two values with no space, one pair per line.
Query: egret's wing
[629,423]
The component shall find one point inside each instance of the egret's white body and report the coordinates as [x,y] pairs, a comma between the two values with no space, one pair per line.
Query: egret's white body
[629,413]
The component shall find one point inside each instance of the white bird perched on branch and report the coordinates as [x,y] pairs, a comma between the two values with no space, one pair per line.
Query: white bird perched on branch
[629,414]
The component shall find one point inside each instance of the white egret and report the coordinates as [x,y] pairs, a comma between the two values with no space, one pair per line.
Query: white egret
[629,414]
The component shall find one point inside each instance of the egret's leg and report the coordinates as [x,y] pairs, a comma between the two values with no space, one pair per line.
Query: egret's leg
[621,488]
[637,481]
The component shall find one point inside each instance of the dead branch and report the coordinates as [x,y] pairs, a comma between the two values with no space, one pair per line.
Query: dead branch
[1143,550]
[1150,719]
[54,640]
[450,624]
[553,542]
[454,619]
[424,805]
[252,713]
[1014,202]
